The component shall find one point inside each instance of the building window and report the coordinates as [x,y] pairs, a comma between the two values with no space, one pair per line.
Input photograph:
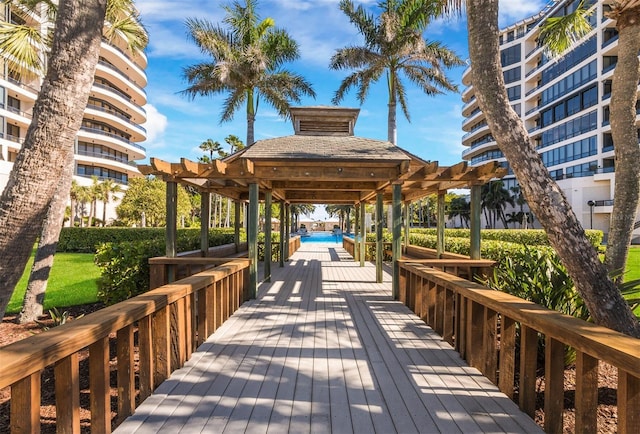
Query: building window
[510,55]
[513,93]
[512,75]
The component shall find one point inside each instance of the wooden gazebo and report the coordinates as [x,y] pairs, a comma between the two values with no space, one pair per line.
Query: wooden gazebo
[323,162]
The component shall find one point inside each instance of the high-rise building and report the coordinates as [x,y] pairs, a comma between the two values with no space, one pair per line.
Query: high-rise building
[108,140]
[564,103]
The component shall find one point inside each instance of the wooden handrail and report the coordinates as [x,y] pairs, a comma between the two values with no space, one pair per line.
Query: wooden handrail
[481,324]
[172,321]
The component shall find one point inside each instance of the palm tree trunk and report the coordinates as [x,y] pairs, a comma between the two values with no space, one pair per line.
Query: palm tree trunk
[56,119]
[545,198]
[33,302]
[625,139]
[251,117]
[104,209]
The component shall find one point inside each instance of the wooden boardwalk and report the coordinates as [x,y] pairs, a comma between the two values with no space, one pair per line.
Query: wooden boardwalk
[323,349]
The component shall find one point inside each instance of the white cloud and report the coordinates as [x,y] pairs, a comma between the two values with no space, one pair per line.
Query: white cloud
[155,125]
[514,10]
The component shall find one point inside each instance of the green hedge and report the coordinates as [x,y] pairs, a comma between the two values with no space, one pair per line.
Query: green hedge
[87,240]
[531,237]
[124,265]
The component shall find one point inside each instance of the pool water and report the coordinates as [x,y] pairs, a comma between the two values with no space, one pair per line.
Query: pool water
[322,237]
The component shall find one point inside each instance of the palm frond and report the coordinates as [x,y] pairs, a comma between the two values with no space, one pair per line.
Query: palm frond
[558,34]
[24,46]
[401,97]
[353,58]
[232,104]
[130,31]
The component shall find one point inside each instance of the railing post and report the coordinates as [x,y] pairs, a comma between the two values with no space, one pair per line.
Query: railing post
[356,234]
[126,373]
[161,345]
[171,230]
[396,247]
[553,385]
[440,227]
[282,225]
[67,383]
[363,235]
[267,236]
[25,408]
[528,365]
[145,357]
[379,247]
[205,222]
[586,393]
[507,355]
[100,394]
[252,239]
[628,402]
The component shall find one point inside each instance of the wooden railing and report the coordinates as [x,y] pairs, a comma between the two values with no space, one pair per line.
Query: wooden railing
[164,326]
[370,247]
[487,327]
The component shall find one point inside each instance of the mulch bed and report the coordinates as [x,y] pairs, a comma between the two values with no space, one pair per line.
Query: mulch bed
[11,332]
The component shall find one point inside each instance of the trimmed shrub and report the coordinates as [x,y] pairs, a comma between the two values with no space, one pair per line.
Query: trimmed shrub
[125,265]
[87,240]
[531,237]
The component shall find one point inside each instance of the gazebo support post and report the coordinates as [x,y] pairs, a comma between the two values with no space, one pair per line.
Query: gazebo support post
[205,222]
[396,217]
[236,225]
[406,227]
[287,229]
[282,224]
[379,246]
[172,227]
[363,237]
[475,221]
[267,236]
[440,228]
[252,239]
[356,235]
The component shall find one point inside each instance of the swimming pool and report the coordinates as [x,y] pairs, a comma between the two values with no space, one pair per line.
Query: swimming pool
[322,237]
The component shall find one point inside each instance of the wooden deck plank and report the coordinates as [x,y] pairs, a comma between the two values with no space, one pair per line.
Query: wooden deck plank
[325,349]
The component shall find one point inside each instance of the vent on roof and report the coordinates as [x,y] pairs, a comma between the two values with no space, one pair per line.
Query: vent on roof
[324,127]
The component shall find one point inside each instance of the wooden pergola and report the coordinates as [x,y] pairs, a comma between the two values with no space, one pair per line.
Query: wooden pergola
[323,163]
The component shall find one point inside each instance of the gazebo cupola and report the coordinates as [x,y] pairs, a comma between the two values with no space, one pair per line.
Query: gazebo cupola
[324,121]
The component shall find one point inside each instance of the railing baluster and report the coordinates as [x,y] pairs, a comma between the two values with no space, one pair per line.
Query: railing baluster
[553,385]
[100,391]
[449,314]
[475,340]
[145,357]
[67,383]
[490,345]
[126,374]
[528,365]
[586,395]
[25,405]
[219,304]
[507,355]
[628,402]
[161,345]
[202,320]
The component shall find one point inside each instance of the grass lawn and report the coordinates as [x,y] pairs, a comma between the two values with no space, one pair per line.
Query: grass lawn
[72,282]
[633,264]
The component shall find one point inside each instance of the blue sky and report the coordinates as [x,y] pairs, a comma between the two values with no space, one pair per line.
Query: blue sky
[177,125]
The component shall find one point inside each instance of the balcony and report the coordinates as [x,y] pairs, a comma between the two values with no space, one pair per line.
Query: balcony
[114,136]
[118,115]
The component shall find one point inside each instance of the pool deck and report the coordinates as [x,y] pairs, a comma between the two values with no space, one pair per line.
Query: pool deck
[324,348]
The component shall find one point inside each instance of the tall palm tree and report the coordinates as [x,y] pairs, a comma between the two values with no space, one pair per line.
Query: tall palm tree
[544,196]
[107,189]
[494,199]
[234,142]
[211,147]
[342,211]
[247,59]
[30,195]
[558,35]
[393,44]
[459,207]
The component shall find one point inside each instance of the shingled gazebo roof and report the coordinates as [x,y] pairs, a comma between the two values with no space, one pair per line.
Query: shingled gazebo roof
[323,162]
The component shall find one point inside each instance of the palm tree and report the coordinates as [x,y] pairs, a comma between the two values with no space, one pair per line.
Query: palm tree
[210,146]
[393,44]
[342,211]
[298,209]
[71,63]
[459,207]
[107,189]
[558,35]
[247,61]
[495,198]
[234,142]
[544,196]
